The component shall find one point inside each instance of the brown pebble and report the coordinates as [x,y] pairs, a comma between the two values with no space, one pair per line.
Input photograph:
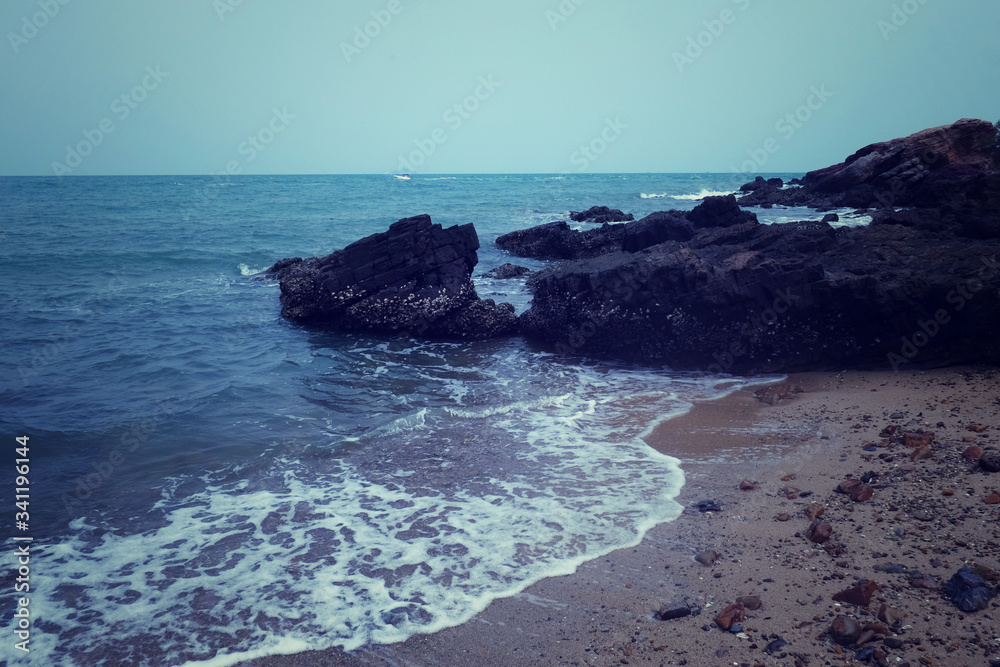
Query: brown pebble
[860,595]
[862,493]
[747,485]
[819,532]
[866,636]
[887,614]
[788,478]
[925,439]
[792,493]
[814,510]
[878,628]
[977,428]
[947,492]
[968,438]
[848,485]
[922,454]
[783,516]
[734,613]
[992,499]
[845,630]
[973,453]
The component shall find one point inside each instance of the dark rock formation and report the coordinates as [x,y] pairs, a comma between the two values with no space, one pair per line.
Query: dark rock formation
[414,278]
[556,240]
[508,271]
[600,215]
[713,290]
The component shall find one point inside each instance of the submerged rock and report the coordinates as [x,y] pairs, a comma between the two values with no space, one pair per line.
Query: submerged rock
[413,279]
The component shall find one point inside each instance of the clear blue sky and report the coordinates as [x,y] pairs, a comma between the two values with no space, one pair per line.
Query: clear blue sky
[180,87]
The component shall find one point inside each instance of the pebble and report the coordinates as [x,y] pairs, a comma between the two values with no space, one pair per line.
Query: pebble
[814,510]
[862,493]
[707,557]
[747,485]
[671,611]
[992,499]
[819,532]
[973,453]
[848,485]
[792,493]
[977,428]
[776,645]
[734,613]
[707,506]
[860,595]
[922,453]
[845,630]
[947,492]
[751,602]
[887,615]
[893,642]
[783,516]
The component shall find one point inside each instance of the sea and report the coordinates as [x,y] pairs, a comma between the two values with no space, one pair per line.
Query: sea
[193,480]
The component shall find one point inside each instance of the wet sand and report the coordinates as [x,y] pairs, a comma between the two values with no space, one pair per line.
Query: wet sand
[926,519]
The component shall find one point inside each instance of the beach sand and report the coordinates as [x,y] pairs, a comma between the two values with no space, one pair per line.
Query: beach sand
[927,517]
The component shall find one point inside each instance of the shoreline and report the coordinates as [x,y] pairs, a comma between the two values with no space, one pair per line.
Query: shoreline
[603,614]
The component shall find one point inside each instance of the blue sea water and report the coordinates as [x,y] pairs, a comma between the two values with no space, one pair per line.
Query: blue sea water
[209,482]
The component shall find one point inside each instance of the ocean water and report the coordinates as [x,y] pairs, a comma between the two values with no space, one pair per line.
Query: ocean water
[209,482]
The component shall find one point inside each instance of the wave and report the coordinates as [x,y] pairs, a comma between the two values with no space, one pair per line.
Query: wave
[704,193]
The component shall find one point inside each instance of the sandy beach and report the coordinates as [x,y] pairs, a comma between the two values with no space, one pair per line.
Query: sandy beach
[930,511]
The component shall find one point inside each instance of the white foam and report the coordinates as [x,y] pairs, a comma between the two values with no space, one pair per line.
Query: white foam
[704,193]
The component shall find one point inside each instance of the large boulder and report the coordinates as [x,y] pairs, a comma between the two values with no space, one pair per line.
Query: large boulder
[414,278]
[600,215]
[557,240]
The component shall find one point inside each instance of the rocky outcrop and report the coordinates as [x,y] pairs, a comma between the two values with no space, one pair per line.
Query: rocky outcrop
[600,215]
[414,278]
[556,240]
[953,167]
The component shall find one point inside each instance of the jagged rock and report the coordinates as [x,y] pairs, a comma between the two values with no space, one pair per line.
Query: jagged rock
[860,595]
[969,591]
[734,613]
[507,271]
[414,278]
[556,240]
[600,215]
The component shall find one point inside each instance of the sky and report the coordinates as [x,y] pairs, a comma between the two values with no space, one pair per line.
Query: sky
[468,86]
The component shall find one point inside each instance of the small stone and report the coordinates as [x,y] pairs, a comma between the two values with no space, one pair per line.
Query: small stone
[792,493]
[751,602]
[887,614]
[747,485]
[878,628]
[672,611]
[990,463]
[925,581]
[977,428]
[848,485]
[860,595]
[845,630]
[776,645]
[814,510]
[947,492]
[866,637]
[783,516]
[862,493]
[973,453]
[922,454]
[819,532]
[919,439]
[969,591]
[892,642]
[788,478]
[992,499]
[707,557]
[734,613]
[968,438]
[707,506]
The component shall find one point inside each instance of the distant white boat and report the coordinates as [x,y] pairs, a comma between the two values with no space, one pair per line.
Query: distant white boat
[402,177]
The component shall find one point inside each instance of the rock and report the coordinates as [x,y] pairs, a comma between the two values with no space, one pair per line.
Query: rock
[600,215]
[831,217]
[784,516]
[845,630]
[414,279]
[657,228]
[751,602]
[792,493]
[741,297]
[814,510]
[758,184]
[734,613]
[848,486]
[924,581]
[918,439]
[673,611]
[990,463]
[556,240]
[707,557]
[819,531]
[747,485]
[707,506]
[887,615]
[969,591]
[977,428]
[973,453]
[507,271]
[860,595]
[922,454]
[992,499]
[947,492]
[893,642]
[877,628]
[776,645]
[862,493]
